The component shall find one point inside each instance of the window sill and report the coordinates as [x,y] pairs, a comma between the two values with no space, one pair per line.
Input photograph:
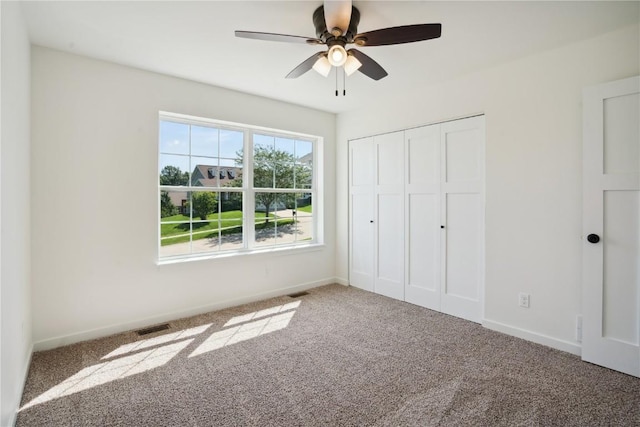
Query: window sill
[282,251]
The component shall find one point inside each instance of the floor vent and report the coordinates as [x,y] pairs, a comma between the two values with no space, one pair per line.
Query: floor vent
[298,294]
[153,329]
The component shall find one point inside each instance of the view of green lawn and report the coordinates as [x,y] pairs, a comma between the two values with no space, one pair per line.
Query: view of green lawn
[229,222]
[305,208]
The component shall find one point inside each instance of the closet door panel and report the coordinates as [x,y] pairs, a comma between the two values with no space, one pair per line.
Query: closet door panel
[389,221]
[462,213]
[362,213]
[422,230]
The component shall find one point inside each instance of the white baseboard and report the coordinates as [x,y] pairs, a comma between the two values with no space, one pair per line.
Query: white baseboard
[556,343]
[341,281]
[25,373]
[137,324]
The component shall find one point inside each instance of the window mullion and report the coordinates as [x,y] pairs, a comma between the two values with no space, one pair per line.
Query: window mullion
[249,199]
[190,197]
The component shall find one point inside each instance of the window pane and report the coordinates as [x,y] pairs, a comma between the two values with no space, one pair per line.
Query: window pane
[174,138]
[232,173]
[263,161]
[304,151]
[290,219]
[204,141]
[285,145]
[205,172]
[174,206]
[284,174]
[263,141]
[173,233]
[231,201]
[174,170]
[231,219]
[304,218]
[231,143]
[265,219]
[303,176]
[204,206]
[205,236]
[175,246]
[286,219]
[262,173]
[175,237]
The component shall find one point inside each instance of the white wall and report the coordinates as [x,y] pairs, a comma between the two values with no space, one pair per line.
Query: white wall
[94,201]
[15,295]
[533,174]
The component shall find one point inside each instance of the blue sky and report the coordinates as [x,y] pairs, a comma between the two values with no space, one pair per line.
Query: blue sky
[215,147]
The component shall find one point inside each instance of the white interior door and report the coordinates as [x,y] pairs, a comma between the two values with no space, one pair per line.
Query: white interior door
[361,206]
[462,208]
[422,216]
[611,226]
[389,221]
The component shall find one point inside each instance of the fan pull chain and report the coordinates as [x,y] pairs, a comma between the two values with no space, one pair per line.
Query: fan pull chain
[344,82]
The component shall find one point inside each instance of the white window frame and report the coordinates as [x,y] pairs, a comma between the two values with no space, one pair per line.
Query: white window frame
[248,190]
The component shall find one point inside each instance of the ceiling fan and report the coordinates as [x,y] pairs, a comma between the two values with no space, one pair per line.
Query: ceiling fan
[336,24]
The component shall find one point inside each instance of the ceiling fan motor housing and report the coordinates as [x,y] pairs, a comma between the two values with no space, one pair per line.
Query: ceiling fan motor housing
[325,35]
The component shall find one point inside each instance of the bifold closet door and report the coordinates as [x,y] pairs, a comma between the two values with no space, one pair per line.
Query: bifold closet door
[389,220]
[417,216]
[362,213]
[462,212]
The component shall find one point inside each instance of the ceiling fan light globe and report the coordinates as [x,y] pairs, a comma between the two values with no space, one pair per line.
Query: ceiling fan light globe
[337,55]
[322,66]
[352,65]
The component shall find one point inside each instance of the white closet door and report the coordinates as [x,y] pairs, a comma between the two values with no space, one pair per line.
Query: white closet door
[422,216]
[462,207]
[361,205]
[611,225]
[389,221]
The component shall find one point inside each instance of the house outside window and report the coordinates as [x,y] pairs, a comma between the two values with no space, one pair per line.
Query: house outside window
[228,188]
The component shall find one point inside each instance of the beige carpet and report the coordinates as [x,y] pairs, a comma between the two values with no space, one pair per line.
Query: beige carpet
[337,356]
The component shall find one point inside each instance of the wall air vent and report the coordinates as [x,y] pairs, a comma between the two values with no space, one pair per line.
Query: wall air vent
[152,329]
[298,294]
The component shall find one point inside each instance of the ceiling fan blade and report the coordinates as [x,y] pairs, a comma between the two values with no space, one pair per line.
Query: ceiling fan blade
[304,66]
[337,14]
[399,35]
[272,37]
[369,68]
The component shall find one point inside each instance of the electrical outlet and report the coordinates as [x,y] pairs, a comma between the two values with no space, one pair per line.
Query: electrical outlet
[523,300]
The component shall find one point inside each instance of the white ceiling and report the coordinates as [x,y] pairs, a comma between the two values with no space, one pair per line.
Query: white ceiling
[195,40]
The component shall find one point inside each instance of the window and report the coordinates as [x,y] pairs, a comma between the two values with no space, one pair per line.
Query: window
[230,188]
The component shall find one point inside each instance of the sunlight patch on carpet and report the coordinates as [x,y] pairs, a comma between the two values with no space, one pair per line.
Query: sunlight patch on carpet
[244,332]
[152,342]
[262,313]
[106,372]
